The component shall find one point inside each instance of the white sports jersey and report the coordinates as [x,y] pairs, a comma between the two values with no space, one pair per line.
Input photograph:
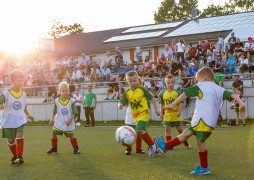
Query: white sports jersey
[64,112]
[128,117]
[13,115]
[208,104]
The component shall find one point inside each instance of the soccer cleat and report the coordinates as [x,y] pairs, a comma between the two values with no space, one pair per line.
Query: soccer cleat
[76,151]
[200,170]
[19,160]
[128,152]
[160,145]
[162,139]
[13,160]
[140,151]
[53,149]
[244,125]
[187,145]
[153,150]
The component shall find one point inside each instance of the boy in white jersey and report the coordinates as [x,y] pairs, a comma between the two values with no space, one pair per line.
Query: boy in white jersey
[63,116]
[13,104]
[209,98]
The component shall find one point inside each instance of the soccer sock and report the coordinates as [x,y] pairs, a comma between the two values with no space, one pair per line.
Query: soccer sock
[148,140]
[203,159]
[128,147]
[12,148]
[138,142]
[54,142]
[20,146]
[168,138]
[172,143]
[74,143]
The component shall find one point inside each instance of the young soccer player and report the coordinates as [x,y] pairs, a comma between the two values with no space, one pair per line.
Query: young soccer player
[63,116]
[172,117]
[137,98]
[13,104]
[238,92]
[209,98]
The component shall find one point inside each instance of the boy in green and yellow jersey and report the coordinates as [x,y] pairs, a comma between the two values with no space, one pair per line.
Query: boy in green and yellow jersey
[172,117]
[137,98]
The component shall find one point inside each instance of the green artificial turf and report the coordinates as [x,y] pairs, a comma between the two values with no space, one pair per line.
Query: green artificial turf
[230,154]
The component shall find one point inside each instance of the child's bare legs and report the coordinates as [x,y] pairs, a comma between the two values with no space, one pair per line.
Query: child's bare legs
[237,118]
[243,119]
[113,95]
[202,152]
[180,130]
[167,132]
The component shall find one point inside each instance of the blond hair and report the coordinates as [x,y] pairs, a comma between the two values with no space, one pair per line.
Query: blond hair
[16,74]
[205,71]
[62,85]
[108,53]
[131,74]
[170,76]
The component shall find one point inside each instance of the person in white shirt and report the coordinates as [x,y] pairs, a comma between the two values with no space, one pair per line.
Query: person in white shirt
[76,75]
[243,61]
[95,74]
[78,100]
[220,44]
[65,63]
[108,60]
[85,63]
[180,50]
[248,46]
[168,52]
[105,73]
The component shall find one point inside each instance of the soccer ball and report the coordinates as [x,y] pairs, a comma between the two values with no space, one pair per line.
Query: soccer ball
[126,135]
[78,124]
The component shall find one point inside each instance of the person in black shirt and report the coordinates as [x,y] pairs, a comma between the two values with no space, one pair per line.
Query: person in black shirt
[232,41]
[177,68]
[237,84]
[199,49]
[238,48]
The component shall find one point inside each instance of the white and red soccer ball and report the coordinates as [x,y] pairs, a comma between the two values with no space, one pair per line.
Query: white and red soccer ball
[126,135]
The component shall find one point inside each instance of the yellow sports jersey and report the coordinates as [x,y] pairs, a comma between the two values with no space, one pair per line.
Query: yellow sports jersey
[137,99]
[166,99]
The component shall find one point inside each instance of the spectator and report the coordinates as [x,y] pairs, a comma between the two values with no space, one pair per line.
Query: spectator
[249,47]
[214,59]
[121,71]
[72,63]
[138,72]
[230,64]
[212,47]
[238,92]
[237,84]
[168,52]
[243,61]
[111,87]
[180,50]
[119,51]
[163,72]
[147,64]
[192,72]
[232,42]
[129,68]
[174,48]
[108,60]
[186,83]
[118,61]
[220,44]
[116,93]
[238,49]
[158,84]
[65,63]
[209,57]
[205,46]
[139,54]
[76,75]
[180,88]
[162,62]
[192,51]
[89,104]
[78,100]
[95,74]
[194,61]
[219,64]
[51,92]
[105,73]
[199,52]
[85,63]
[186,60]
[147,82]
[176,68]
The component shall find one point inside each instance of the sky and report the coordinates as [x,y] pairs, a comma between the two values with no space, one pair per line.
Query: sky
[23,21]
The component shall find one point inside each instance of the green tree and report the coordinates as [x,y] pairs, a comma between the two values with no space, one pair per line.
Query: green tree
[212,10]
[171,11]
[58,29]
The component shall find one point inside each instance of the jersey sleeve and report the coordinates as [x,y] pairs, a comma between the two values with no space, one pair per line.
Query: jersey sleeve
[94,96]
[54,109]
[148,95]
[74,109]
[191,91]
[2,99]
[179,94]
[124,99]
[227,95]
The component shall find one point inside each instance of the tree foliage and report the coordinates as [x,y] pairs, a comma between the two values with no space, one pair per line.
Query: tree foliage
[58,29]
[171,11]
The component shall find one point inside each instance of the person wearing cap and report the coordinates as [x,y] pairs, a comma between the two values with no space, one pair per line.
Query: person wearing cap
[249,47]
[76,75]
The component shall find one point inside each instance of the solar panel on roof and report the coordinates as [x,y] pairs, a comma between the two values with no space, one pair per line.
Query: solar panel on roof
[153,27]
[213,24]
[135,36]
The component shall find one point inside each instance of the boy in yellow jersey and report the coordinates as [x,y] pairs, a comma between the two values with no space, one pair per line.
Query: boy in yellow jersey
[209,98]
[13,104]
[172,117]
[137,98]
[63,116]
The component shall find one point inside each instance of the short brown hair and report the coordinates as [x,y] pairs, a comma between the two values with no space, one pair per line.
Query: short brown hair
[16,73]
[132,73]
[206,71]
[170,76]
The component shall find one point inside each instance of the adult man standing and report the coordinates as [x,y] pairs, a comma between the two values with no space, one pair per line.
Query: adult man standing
[89,104]
[232,41]
[220,44]
[85,63]
[237,84]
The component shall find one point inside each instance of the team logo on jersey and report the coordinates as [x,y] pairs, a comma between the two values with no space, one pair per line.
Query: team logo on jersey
[169,101]
[136,104]
[64,111]
[17,105]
